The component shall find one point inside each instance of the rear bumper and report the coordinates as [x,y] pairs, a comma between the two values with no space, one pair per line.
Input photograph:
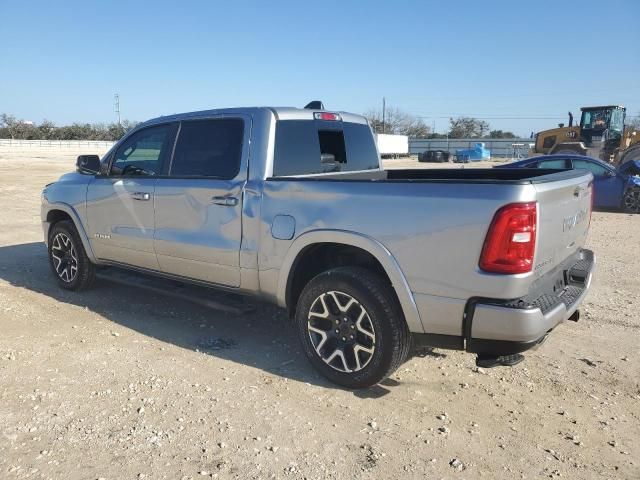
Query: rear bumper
[498,327]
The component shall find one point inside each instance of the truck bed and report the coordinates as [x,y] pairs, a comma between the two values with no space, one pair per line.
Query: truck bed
[514,176]
[518,176]
[434,222]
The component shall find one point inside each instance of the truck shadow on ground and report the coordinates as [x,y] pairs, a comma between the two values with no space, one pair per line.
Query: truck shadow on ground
[264,339]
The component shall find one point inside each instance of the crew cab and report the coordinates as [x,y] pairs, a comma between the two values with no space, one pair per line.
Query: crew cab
[292,205]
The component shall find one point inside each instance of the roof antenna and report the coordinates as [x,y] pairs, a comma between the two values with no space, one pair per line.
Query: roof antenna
[314,105]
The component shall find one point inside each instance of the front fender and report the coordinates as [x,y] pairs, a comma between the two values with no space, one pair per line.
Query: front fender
[632,181]
[368,244]
[75,217]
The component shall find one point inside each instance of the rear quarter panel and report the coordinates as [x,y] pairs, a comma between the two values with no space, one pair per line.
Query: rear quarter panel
[435,231]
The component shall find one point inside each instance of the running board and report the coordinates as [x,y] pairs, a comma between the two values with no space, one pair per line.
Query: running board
[207,297]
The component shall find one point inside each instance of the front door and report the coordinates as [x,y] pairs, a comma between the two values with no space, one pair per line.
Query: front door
[120,204]
[198,222]
[607,184]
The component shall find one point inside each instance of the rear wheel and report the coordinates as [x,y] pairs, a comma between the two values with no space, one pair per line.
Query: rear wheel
[351,327]
[631,200]
[68,259]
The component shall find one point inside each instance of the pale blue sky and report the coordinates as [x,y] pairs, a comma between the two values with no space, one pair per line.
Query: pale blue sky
[519,65]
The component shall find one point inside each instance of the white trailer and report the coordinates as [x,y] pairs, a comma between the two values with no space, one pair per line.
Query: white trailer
[392,146]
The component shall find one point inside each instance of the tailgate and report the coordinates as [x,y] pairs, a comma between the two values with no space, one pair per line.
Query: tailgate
[564,212]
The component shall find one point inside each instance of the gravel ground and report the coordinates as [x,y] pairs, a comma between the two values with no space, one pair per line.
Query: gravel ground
[117,383]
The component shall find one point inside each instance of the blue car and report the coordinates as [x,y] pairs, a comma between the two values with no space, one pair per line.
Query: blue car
[613,187]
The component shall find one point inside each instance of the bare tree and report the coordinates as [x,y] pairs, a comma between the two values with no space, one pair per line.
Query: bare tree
[467,127]
[12,128]
[10,124]
[634,122]
[397,122]
[47,130]
[501,134]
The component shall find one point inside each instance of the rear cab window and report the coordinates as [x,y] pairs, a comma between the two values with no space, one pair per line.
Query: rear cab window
[307,147]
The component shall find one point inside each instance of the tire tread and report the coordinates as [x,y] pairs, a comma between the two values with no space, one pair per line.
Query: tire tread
[86,269]
[382,292]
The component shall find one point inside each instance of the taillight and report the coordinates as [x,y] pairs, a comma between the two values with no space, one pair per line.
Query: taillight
[511,240]
[327,116]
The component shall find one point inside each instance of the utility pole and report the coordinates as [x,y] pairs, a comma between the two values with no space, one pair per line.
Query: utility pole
[117,105]
[384,113]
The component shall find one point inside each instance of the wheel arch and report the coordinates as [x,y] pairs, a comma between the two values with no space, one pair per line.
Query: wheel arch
[290,281]
[61,211]
[631,153]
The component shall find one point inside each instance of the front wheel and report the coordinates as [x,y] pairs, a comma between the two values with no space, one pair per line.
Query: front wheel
[68,259]
[351,327]
[631,200]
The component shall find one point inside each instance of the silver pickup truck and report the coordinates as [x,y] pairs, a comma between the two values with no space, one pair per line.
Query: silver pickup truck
[292,205]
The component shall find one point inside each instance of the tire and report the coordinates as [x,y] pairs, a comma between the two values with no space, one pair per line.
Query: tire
[631,200]
[353,311]
[68,260]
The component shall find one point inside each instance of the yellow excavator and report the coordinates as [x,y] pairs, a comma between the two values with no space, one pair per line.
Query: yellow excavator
[601,134]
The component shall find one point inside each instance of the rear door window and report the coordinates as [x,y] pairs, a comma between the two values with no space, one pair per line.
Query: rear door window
[208,148]
[559,163]
[306,147]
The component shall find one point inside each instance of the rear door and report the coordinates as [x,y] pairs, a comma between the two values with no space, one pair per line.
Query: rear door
[198,203]
[120,209]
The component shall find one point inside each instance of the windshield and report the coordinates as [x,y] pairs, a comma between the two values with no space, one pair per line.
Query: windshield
[596,119]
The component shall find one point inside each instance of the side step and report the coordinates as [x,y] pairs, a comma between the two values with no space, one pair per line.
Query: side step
[207,297]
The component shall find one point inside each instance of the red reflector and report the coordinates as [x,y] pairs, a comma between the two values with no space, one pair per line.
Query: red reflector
[327,116]
[511,241]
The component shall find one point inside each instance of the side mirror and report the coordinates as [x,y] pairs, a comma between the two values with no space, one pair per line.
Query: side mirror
[88,164]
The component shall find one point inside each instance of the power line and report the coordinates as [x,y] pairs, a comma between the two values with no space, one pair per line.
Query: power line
[479,117]
[497,117]
[528,95]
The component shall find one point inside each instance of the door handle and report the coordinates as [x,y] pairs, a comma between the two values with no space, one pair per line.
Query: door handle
[141,196]
[226,201]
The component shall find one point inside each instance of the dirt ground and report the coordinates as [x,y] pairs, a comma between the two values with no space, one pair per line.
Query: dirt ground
[117,383]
